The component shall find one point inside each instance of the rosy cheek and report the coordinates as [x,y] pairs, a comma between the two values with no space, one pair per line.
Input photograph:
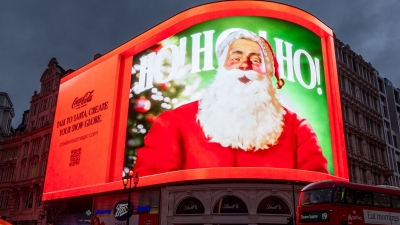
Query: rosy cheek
[230,65]
[259,69]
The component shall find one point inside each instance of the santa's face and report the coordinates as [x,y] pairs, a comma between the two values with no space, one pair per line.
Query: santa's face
[245,55]
[240,109]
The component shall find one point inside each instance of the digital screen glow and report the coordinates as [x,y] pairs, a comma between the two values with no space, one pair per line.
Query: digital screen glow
[186,67]
[194,98]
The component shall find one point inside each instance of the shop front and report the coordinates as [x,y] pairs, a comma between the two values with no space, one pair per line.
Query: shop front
[227,203]
[113,209]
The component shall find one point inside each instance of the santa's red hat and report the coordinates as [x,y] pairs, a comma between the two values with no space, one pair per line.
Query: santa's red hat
[271,64]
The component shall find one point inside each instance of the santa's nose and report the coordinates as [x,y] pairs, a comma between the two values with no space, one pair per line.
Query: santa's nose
[245,65]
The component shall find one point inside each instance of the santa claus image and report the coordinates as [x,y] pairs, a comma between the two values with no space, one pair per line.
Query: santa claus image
[238,122]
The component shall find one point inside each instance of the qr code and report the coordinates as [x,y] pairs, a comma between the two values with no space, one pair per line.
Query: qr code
[75,157]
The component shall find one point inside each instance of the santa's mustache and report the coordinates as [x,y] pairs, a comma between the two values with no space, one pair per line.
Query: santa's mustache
[251,75]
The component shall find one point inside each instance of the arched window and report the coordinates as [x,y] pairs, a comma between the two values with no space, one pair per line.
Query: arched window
[190,205]
[273,205]
[230,204]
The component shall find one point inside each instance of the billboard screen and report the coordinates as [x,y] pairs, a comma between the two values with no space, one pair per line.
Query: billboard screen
[216,92]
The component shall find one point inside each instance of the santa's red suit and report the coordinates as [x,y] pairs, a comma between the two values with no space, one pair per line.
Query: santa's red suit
[176,142]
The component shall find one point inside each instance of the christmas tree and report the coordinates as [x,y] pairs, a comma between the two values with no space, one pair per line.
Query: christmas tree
[145,106]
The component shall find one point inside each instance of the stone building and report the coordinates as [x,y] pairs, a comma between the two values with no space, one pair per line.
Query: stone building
[362,118]
[24,154]
[6,115]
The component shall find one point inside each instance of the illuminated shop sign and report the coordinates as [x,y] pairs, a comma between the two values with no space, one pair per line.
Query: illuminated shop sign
[122,210]
[248,93]
[143,209]
[102,211]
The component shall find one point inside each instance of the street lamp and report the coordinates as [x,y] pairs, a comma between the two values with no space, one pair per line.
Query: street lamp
[293,220]
[128,178]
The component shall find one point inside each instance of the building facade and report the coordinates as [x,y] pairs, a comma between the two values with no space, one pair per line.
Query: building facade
[6,115]
[390,105]
[362,118]
[24,154]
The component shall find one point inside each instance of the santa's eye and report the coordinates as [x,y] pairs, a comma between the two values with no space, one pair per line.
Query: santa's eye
[255,60]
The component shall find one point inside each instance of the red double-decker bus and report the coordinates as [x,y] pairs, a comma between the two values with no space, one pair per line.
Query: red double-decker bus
[333,202]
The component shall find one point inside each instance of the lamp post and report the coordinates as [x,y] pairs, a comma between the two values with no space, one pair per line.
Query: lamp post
[293,221]
[125,181]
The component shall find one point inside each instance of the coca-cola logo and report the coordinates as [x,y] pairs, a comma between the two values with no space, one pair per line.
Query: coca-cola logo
[79,102]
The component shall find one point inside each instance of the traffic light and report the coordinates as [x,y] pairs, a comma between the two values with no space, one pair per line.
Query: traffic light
[290,221]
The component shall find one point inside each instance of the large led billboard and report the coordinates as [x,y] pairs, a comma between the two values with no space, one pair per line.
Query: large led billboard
[220,91]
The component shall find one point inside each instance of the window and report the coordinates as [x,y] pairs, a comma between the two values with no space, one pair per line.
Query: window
[4,175]
[26,147]
[11,174]
[385,112]
[338,196]
[381,200]
[316,196]
[395,141]
[8,130]
[354,64]
[29,199]
[55,99]
[41,121]
[15,153]
[1,199]
[39,197]
[22,172]
[395,201]
[274,206]
[17,201]
[6,198]
[33,170]
[388,137]
[396,96]
[348,196]
[46,143]
[230,204]
[190,205]
[36,147]
[344,58]
[44,104]
[44,164]
[363,197]
[356,118]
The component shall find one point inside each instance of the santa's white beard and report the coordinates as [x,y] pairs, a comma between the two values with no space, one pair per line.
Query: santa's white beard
[246,116]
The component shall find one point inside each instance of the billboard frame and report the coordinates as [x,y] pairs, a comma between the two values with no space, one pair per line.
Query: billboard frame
[176,24]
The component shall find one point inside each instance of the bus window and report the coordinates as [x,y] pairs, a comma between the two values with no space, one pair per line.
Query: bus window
[363,197]
[381,200]
[348,196]
[305,198]
[395,201]
[339,195]
[316,196]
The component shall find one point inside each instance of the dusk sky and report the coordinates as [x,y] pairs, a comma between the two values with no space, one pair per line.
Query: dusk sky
[32,32]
